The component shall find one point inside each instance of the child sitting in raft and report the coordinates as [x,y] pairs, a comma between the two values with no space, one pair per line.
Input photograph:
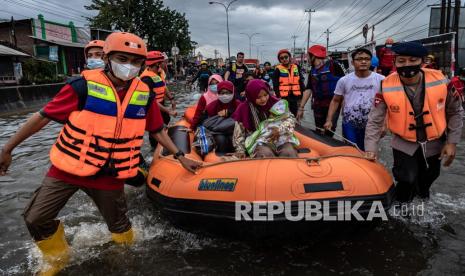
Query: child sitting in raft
[276,131]
[269,132]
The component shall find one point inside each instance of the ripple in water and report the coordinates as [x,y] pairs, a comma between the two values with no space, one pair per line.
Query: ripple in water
[429,244]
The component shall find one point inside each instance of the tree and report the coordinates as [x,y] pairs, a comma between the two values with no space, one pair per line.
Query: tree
[161,26]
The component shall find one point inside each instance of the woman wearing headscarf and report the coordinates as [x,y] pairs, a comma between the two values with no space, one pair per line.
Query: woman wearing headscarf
[207,98]
[249,117]
[225,104]
[222,109]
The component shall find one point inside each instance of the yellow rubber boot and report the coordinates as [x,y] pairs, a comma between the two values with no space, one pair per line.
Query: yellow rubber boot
[55,251]
[125,238]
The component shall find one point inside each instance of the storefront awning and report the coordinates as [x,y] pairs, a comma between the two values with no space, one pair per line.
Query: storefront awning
[61,43]
[7,51]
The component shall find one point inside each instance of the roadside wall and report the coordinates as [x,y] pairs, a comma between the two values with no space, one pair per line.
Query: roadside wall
[17,99]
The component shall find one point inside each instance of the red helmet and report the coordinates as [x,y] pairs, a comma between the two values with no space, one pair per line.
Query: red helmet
[317,51]
[282,51]
[93,44]
[154,57]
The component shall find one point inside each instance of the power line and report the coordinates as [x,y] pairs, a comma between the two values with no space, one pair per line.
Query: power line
[38,8]
[351,34]
[361,20]
[396,10]
[301,23]
[64,7]
[404,31]
[403,21]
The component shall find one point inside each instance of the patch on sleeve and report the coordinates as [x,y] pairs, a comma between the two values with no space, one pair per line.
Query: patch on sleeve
[378,99]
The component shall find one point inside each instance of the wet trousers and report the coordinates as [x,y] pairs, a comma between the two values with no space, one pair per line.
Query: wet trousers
[41,212]
[354,134]
[320,113]
[412,176]
[293,103]
[286,150]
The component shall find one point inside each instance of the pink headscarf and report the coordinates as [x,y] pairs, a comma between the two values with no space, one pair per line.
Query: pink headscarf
[210,96]
[243,113]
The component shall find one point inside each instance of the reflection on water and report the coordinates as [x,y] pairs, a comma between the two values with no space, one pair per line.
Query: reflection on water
[433,243]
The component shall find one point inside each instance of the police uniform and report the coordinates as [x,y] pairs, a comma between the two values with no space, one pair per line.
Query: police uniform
[422,121]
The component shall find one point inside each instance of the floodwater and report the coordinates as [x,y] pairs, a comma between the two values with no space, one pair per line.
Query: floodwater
[432,243]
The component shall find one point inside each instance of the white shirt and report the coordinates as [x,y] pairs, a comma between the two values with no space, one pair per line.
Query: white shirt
[358,96]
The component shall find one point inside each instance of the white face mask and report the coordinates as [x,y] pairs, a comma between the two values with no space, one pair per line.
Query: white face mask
[214,88]
[225,98]
[125,71]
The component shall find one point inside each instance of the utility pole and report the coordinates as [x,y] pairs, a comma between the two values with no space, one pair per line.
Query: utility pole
[215,52]
[443,16]
[250,41]
[372,33]
[456,30]
[309,21]
[449,6]
[327,39]
[226,7]
[13,32]
[293,49]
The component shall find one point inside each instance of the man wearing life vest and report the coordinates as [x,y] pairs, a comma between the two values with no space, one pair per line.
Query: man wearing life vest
[322,80]
[154,77]
[93,53]
[105,115]
[424,117]
[288,82]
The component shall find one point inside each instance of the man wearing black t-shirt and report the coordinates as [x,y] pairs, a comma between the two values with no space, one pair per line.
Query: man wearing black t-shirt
[235,74]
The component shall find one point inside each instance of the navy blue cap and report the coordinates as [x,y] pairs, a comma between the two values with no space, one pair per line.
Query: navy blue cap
[411,48]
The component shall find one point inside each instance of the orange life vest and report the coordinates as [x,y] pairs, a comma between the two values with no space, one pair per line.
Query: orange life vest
[107,134]
[159,84]
[289,80]
[401,116]
[86,71]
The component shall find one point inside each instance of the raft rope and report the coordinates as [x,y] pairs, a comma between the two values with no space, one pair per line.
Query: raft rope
[340,136]
[309,161]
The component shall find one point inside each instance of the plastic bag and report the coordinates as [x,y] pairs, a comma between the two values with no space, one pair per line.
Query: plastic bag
[203,141]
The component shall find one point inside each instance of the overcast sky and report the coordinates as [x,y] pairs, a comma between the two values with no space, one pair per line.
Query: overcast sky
[275,21]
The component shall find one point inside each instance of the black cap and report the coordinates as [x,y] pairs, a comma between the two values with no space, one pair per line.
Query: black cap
[412,48]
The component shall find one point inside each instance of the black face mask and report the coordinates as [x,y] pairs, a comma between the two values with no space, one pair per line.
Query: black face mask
[409,71]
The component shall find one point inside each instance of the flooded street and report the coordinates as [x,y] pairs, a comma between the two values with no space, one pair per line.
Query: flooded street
[432,244]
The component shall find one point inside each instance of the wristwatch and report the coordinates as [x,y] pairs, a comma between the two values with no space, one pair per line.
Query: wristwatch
[178,154]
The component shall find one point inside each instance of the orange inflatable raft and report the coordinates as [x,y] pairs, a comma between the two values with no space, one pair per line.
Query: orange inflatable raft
[327,170]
